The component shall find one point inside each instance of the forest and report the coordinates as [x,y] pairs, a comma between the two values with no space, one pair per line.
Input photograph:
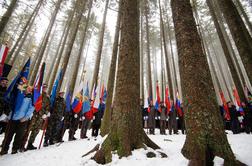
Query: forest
[127,58]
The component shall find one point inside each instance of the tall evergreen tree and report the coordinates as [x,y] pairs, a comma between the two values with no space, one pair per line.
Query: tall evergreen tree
[206,137]
[100,46]
[80,53]
[239,33]
[7,15]
[80,8]
[126,133]
[111,80]
[45,43]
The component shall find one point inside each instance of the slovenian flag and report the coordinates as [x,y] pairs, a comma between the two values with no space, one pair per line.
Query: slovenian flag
[225,106]
[86,102]
[15,92]
[178,105]
[77,103]
[167,100]
[157,107]
[38,85]
[3,54]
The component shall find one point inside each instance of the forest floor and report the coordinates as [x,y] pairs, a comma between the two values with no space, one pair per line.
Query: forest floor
[69,153]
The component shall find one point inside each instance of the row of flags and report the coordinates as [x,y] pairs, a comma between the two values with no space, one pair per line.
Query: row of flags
[237,103]
[167,101]
[15,92]
[82,102]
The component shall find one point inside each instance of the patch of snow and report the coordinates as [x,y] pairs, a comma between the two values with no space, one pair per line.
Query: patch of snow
[69,153]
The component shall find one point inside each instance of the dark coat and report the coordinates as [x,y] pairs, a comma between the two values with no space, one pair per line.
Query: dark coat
[151,117]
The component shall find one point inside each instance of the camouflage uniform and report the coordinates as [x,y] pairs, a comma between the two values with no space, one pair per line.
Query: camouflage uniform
[55,121]
[37,120]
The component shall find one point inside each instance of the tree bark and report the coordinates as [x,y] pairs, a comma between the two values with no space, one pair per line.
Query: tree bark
[44,45]
[7,15]
[100,46]
[206,137]
[23,35]
[142,57]
[146,11]
[111,81]
[235,74]
[239,33]
[126,132]
[80,8]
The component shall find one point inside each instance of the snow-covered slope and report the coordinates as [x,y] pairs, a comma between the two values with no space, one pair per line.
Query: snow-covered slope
[69,153]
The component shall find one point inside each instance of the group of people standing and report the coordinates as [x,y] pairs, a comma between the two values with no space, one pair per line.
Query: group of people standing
[238,119]
[24,122]
[163,118]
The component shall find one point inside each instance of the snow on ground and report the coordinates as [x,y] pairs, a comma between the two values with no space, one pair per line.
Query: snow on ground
[69,153]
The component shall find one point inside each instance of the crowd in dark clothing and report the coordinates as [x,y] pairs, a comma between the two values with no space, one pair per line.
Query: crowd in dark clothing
[163,119]
[239,119]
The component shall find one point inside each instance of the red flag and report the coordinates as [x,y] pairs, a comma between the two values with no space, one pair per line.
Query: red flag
[37,94]
[237,98]
[227,115]
[157,105]
[3,54]
[167,100]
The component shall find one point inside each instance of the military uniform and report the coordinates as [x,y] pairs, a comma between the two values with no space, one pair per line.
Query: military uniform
[55,121]
[97,121]
[151,119]
[163,117]
[173,121]
[37,120]
[74,122]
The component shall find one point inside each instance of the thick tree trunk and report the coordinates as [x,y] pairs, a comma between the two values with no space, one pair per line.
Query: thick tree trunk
[227,54]
[100,46]
[142,57]
[81,6]
[7,15]
[60,50]
[206,137]
[149,71]
[23,35]
[111,79]
[239,33]
[44,45]
[126,132]
[80,53]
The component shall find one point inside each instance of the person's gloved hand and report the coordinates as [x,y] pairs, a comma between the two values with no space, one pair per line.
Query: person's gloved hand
[44,116]
[48,114]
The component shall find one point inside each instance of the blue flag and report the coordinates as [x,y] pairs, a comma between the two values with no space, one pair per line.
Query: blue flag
[14,94]
[68,102]
[86,103]
[55,87]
